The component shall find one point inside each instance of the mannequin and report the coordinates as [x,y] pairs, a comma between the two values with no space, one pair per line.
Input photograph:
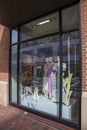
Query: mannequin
[50,77]
[55,84]
[45,78]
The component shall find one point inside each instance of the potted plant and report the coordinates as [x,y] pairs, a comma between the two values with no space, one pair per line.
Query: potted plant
[66,89]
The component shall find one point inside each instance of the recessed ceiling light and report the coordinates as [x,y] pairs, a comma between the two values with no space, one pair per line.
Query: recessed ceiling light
[41,23]
[44,22]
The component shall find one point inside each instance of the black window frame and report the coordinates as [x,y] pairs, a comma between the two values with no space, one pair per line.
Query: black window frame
[59,119]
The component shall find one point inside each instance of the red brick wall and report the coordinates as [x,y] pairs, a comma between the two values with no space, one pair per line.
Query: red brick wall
[83,8]
[4,53]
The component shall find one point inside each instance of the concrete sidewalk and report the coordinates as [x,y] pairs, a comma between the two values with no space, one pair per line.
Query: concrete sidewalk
[12,118]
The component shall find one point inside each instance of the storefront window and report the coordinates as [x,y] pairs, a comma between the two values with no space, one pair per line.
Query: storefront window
[40,75]
[71,76]
[14,37]
[14,74]
[70,18]
[49,65]
[40,27]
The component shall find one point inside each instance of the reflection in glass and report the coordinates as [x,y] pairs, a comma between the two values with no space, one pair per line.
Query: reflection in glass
[71,76]
[40,27]
[70,18]
[14,35]
[14,74]
[39,65]
[39,75]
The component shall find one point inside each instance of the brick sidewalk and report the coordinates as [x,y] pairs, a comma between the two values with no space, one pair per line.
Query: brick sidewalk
[12,118]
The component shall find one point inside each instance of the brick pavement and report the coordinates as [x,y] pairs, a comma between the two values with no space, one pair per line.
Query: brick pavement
[14,120]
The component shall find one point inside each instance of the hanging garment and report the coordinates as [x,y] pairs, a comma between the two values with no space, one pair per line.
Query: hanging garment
[50,79]
[45,79]
[55,83]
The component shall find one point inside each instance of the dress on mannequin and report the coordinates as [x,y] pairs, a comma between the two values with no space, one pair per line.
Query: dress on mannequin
[50,77]
[45,79]
[55,84]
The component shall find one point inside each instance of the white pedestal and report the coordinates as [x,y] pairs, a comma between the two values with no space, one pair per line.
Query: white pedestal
[70,111]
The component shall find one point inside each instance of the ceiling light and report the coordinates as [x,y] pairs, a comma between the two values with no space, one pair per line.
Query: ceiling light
[44,22]
[41,23]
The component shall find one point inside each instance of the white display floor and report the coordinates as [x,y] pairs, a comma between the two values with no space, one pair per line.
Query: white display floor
[43,104]
[46,105]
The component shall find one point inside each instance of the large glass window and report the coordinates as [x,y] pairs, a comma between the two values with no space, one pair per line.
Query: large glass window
[14,37]
[40,75]
[47,50]
[14,74]
[40,27]
[70,18]
[71,76]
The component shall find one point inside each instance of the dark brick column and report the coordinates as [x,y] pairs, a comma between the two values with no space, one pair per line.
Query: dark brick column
[4,64]
[83,11]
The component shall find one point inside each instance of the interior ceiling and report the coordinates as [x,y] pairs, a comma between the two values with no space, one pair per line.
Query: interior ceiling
[14,12]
